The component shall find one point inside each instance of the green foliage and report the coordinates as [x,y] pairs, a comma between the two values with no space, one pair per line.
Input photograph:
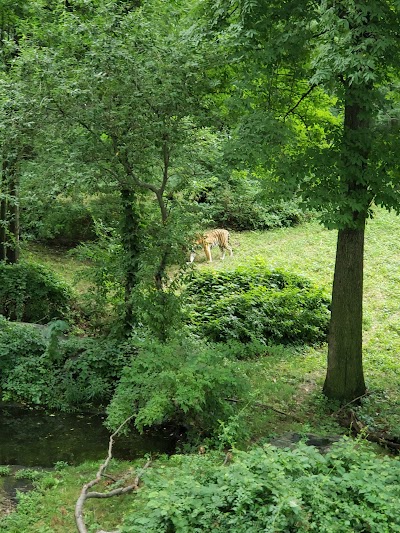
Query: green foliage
[105,295]
[28,473]
[255,212]
[269,489]
[183,382]
[31,293]
[64,222]
[254,302]
[17,341]
[40,369]
[5,471]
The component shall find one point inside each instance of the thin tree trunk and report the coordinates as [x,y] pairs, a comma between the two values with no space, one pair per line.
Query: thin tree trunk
[12,250]
[131,244]
[345,379]
[3,228]
[3,210]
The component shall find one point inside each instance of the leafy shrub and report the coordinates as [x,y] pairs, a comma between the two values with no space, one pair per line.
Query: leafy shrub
[256,303]
[219,202]
[268,489]
[5,471]
[18,341]
[182,382]
[28,473]
[256,215]
[65,222]
[31,293]
[90,371]
[75,373]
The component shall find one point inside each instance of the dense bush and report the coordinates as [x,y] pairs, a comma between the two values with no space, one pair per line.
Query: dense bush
[37,369]
[31,293]
[17,341]
[256,303]
[65,222]
[267,489]
[183,382]
[255,215]
[219,201]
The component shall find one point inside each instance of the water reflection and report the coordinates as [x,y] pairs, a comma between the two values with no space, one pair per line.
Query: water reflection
[36,438]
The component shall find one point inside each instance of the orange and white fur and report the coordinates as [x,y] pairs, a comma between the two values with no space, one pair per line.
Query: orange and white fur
[215,237]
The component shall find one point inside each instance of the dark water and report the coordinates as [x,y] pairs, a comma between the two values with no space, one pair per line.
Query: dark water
[35,438]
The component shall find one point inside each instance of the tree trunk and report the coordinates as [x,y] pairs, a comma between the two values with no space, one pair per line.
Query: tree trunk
[3,210]
[3,228]
[345,379]
[12,250]
[131,243]
[9,212]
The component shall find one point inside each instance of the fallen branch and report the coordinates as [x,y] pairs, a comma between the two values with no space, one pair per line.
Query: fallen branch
[264,406]
[393,443]
[349,403]
[86,494]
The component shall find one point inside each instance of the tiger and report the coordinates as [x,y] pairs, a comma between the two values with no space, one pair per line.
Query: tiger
[214,237]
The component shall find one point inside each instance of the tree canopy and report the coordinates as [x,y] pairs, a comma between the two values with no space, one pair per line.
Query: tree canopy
[139,100]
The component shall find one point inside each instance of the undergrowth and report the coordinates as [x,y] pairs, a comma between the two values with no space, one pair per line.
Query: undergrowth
[253,302]
[269,489]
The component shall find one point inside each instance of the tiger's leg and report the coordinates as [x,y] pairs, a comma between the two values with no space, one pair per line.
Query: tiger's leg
[207,251]
[226,247]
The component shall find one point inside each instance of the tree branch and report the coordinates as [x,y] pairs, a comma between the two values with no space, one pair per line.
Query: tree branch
[379,437]
[264,406]
[300,100]
[85,494]
[349,403]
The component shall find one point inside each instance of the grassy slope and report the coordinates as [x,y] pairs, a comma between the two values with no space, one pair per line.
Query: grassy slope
[293,382]
[60,260]
[287,379]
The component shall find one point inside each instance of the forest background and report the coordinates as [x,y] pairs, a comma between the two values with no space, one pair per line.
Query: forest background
[127,129]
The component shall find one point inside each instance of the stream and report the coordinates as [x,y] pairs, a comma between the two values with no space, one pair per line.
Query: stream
[36,439]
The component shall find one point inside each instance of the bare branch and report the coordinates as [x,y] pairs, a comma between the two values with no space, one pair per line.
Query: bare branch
[349,403]
[264,406]
[86,494]
[300,100]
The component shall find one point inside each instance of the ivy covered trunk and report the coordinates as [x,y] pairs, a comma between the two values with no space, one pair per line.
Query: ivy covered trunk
[131,244]
[345,378]
[9,213]
[12,250]
[3,227]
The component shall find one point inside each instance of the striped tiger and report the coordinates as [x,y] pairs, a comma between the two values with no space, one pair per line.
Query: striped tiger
[214,237]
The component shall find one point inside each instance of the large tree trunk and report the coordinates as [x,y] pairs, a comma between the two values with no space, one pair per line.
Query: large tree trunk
[345,379]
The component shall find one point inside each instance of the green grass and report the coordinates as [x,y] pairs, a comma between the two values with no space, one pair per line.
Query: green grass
[50,508]
[60,261]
